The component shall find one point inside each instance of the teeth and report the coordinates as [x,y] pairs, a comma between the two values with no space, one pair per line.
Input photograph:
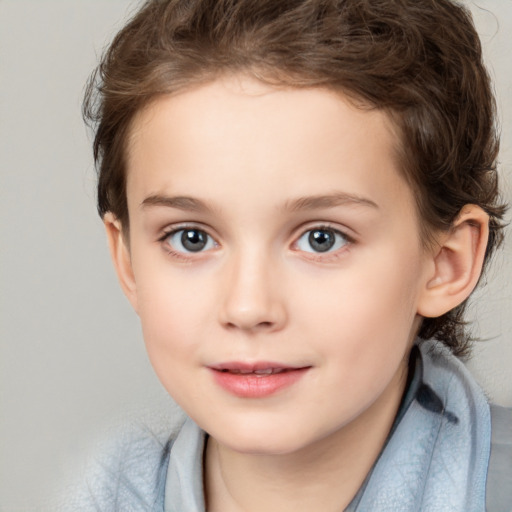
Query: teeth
[268,371]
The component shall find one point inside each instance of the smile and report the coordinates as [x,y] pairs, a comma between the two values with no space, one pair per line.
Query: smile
[256,380]
[268,371]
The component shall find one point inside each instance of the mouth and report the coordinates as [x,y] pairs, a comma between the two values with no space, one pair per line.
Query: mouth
[257,380]
[267,371]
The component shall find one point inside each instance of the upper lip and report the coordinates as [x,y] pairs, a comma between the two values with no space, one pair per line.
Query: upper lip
[256,367]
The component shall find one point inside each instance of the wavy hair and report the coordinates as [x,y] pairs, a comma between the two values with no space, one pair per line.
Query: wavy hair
[419,60]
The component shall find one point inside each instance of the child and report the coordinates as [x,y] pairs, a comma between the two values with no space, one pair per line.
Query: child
[299,197]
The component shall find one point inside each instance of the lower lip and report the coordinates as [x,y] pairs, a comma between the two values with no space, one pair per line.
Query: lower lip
[253,386]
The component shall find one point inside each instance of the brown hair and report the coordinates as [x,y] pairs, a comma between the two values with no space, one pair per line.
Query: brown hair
[420,60]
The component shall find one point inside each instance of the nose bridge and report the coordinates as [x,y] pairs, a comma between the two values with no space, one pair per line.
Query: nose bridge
[252,299]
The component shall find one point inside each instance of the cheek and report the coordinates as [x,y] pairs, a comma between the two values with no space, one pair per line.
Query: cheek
[169,332]
[170,312]
[167,295]
[379,290]
[169,316]
[364,317]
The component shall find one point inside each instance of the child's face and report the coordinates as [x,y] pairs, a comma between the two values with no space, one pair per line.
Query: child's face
[270,229]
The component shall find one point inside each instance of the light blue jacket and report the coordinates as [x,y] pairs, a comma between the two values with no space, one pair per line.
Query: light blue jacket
[436,458]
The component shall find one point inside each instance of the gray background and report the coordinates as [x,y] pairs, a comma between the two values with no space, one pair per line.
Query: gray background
[72,361]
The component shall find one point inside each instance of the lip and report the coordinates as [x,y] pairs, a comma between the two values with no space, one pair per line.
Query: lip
[256,380]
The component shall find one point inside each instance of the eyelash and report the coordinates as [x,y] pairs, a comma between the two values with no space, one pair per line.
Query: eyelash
[325,256]
[328,255]
[182,255]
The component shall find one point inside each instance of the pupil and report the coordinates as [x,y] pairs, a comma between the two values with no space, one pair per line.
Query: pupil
[193,240]
[321,240]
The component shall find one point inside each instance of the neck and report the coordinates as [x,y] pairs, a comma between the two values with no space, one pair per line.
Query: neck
[325,475]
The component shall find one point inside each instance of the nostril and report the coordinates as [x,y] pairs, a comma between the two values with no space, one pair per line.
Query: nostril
[252,313]
[256,326]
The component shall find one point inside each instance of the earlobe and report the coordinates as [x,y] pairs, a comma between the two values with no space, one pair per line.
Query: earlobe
[458,262]
[120,254]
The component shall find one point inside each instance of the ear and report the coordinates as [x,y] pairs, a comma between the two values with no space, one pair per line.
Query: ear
[120,254]
[458,260]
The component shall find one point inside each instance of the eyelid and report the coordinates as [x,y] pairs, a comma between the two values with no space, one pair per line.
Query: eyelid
[329,254]
[173,228]
[343,231]
[319,225]
[184,255]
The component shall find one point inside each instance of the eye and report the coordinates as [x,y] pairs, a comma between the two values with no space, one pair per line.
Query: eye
[322,240]
[190,240]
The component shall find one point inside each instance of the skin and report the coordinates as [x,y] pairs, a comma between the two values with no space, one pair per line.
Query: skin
[261,167]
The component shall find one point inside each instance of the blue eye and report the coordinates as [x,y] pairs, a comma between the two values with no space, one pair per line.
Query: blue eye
[321,240]
[190,240]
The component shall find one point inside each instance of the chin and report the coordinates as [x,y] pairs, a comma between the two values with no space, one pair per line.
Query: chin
[261,439]
[261,447]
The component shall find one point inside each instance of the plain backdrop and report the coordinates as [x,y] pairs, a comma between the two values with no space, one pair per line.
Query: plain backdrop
[72,360]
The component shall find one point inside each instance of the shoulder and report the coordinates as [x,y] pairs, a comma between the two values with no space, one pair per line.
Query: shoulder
[453,374]
[126,474]
[499,476]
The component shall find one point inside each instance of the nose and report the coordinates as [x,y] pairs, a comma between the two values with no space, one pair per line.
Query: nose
[252,299]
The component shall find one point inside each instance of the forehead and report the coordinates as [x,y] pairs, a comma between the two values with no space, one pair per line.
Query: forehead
[237,137]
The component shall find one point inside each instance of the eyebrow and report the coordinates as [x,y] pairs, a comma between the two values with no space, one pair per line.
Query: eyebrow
[302,203]
[328,201]
[180,202]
